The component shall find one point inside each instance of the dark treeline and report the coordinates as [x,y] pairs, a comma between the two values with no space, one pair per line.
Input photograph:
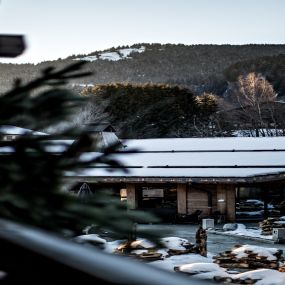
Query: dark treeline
[152,110]
[145,111]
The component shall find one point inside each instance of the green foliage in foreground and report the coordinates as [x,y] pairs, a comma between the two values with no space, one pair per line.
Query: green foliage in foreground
[32,178]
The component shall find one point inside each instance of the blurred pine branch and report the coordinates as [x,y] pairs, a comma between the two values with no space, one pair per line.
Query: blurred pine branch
[32,178]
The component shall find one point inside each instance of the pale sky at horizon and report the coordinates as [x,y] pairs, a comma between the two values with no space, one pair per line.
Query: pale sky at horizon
[60,28]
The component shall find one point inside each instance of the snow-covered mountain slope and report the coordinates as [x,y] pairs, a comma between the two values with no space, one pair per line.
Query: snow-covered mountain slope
[113,55]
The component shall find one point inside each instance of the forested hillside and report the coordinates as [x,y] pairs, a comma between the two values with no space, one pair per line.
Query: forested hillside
[201,68]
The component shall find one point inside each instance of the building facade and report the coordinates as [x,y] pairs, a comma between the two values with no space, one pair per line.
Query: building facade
[238,178]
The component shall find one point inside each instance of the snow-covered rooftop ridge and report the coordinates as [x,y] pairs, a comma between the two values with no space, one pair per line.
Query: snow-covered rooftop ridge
[13,130]
[177,172]
[113,55]
[207,144]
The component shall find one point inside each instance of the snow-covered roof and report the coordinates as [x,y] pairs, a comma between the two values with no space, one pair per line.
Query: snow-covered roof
[208,144]
[195,158]
[13,130]
[188,160]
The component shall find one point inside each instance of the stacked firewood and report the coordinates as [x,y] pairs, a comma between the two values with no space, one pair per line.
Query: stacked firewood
[247,260]
[190,249]
[267,225]
[147,251]
[146,254]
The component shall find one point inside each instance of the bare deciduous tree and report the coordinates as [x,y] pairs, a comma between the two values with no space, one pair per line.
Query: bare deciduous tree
[255,105]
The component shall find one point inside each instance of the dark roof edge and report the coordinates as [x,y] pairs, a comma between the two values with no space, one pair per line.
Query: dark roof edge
[183,179]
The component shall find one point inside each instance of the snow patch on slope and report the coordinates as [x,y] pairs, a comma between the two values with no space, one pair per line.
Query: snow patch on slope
[113,56]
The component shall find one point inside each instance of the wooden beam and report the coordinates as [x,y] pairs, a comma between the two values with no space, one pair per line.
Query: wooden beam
[201,180]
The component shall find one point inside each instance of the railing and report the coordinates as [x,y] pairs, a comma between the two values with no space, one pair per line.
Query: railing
[38,257]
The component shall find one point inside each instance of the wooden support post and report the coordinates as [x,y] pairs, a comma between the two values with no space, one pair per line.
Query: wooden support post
[231,203]
[181,198]
[265,201]
[226,201]
[221,198]
[132,196]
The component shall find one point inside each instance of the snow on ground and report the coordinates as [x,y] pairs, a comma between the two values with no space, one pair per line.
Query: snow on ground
[265,276]
[251,213]
[142,243]
[178,260]
[164,252]
[198,266]
[204,270]
[125,52]
[111,56]
[87,58]
[90,238]
[175,243]
[111,246]
[243,231]
[114,55]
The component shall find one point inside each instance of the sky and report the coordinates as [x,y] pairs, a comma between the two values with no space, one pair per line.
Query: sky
[59,28]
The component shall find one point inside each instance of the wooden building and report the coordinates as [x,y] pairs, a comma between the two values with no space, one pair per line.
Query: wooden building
[239,178]
[188,174]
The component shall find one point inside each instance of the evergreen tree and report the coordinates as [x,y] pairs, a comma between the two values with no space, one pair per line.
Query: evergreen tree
[32,177]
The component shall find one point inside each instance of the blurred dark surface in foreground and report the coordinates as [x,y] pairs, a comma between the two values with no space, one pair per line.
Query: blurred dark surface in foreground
[38,257]
[11,45]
